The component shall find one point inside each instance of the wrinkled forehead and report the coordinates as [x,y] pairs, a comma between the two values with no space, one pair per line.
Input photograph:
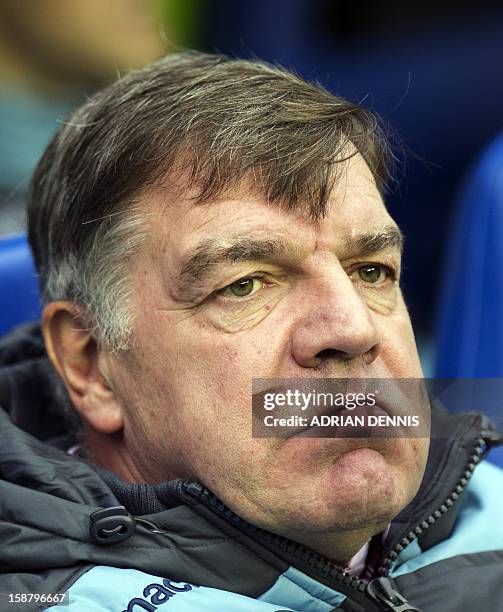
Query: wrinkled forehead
[178,222]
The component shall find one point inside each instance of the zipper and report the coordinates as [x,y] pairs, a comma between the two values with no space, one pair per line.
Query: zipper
[407,538]
[383,591]
[380,589]
[338,572]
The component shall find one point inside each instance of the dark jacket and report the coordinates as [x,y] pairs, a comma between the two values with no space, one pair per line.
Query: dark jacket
[67,526]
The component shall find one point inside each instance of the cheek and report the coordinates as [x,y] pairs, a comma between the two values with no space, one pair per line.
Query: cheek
[410,463]
[399,349]
[421,446]
[381,300]
[412,471]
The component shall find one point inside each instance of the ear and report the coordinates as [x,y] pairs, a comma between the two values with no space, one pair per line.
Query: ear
[82,365]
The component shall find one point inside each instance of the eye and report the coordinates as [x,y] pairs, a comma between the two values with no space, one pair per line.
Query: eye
[243,287]
[373,274]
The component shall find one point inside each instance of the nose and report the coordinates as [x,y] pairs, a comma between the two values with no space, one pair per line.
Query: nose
[336,325]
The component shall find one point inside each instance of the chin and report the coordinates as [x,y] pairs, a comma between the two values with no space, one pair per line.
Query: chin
[362,490]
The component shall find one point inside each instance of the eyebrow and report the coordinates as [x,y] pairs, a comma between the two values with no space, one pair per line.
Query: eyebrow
[389,237]
[210,253]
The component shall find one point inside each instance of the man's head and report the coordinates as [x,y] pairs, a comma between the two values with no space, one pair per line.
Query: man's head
[203,222]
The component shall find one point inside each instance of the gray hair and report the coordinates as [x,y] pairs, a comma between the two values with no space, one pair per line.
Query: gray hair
[223,121]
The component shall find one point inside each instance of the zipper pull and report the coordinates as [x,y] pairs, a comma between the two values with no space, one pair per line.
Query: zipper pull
[382,590]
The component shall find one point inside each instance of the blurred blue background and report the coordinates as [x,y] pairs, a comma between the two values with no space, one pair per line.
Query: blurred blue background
[432,69]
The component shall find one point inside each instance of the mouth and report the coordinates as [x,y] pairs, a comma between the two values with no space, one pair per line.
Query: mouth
[343,422]
[372,408]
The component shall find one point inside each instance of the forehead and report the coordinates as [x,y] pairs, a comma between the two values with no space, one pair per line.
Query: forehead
[354,206]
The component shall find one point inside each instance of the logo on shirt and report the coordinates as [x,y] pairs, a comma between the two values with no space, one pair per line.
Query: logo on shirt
[156,594]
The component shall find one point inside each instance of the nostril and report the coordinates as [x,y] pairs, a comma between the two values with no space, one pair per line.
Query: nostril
[330,354]
[371,355]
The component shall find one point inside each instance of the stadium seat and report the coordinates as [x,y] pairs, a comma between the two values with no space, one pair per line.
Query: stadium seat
[470,322]
[19,293]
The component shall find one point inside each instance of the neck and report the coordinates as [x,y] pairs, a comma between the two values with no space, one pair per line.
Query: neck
[338,547]
[110,452]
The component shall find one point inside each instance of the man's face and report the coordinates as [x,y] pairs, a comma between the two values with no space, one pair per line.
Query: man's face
[312,301]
